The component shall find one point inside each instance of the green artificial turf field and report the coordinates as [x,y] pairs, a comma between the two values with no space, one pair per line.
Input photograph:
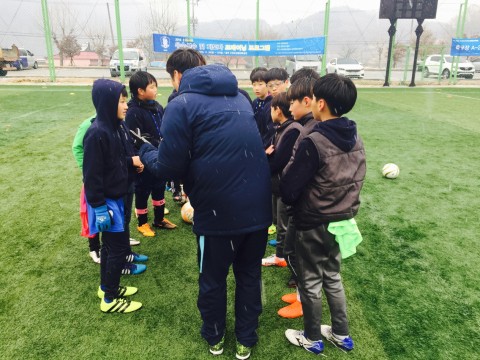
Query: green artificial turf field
[412,288]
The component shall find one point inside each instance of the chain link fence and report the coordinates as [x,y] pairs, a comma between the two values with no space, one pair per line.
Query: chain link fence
[84,34]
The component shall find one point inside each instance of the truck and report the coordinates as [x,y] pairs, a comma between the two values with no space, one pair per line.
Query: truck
[7,58]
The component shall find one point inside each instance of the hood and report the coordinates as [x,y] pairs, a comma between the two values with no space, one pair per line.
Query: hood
[342,132]
[209,80]
[105,97]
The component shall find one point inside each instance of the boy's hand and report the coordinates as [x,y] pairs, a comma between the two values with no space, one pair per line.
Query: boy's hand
[270,150]
[102,218]
[139,139]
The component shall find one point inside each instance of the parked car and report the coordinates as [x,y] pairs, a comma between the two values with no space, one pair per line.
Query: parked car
[348,67]
[476,63]
[133,60]
[432,67]
[26,60]
[297,62]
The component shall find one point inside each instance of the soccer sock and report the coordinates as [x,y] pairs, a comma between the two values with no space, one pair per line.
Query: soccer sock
[107,300]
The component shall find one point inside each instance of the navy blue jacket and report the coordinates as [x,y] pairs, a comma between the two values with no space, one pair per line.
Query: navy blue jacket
[105,145]
[146,116]
[211,141]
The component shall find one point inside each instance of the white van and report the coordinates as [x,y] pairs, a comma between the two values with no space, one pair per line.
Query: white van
[133,60]
[296,62]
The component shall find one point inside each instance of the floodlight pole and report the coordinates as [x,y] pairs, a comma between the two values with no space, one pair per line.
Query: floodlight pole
[460,30]
[48,40]
[391,32]
[119,40]
[418,32]
[189,33]
[325,36]
[257,30]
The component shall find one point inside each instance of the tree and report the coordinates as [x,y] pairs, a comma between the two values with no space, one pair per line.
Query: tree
[98,42]
[380,47]
[398,54]
[69,47]
[161,18]
[64,32]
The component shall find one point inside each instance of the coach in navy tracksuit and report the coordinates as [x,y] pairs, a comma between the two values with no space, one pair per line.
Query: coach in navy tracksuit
[210,139]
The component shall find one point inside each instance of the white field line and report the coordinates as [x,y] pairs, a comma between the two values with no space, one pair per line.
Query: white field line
[39,110]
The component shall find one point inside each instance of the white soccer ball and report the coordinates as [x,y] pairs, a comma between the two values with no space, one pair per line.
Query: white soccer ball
[390,171]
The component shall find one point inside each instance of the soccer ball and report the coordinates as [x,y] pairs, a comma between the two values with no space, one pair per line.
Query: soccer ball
[390,171]
[187,213]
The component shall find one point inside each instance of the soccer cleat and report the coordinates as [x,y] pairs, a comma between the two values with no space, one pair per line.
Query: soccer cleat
[272,242]
[165,224]
[292,311]
[146,230]
[290,298]
[122,291]
[120,305]
[298,338]
[272,229]
[133,269]
[95,255]
[166,211]
[345,344]
[217,349]
[133,256]
[134,242]
[273,260]
[243,352]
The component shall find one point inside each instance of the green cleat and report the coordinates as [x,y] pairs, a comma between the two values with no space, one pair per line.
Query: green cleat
[120,305]
[243,352]
[217,349]
[122,291]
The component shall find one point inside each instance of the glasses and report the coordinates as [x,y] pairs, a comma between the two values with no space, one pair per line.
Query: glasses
[276,84]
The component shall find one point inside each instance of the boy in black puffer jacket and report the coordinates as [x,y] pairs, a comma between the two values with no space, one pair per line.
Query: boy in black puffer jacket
[145,114]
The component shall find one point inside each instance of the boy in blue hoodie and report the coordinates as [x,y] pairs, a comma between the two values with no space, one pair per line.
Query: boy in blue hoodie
[323,185]
[105,174]
[211,141]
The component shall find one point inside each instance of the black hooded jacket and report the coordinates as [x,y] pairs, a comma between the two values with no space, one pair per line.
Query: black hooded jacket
[106,147]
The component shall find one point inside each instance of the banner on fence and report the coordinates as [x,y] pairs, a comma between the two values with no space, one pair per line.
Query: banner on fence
[301,46]
[465,47]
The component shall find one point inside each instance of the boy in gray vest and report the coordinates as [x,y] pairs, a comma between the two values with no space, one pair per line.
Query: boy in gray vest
[322,186]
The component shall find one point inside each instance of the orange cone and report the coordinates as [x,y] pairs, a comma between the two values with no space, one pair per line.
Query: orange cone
[290,298]
[291,311]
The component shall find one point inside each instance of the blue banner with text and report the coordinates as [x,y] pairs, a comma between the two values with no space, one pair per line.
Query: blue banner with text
[301,46]
[465,47]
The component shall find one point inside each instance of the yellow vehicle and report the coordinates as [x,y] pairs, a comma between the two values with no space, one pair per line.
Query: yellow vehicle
[7,58]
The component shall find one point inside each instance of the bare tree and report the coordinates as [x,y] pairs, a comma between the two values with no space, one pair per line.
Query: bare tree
[398,54]
[98,40]
[65,28]
[161,18]
[380,47]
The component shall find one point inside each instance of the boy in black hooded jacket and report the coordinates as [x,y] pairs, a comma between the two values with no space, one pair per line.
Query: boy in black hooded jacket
[105,175]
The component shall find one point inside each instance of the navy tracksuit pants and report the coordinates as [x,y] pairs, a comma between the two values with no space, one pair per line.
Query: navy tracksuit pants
[215,255]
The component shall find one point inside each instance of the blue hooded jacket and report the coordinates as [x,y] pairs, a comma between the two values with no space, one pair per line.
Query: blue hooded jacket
[211,141]
[106,147]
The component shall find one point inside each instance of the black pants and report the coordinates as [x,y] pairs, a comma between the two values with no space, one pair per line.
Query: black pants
[115,248]
[215,255]
[146,185]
